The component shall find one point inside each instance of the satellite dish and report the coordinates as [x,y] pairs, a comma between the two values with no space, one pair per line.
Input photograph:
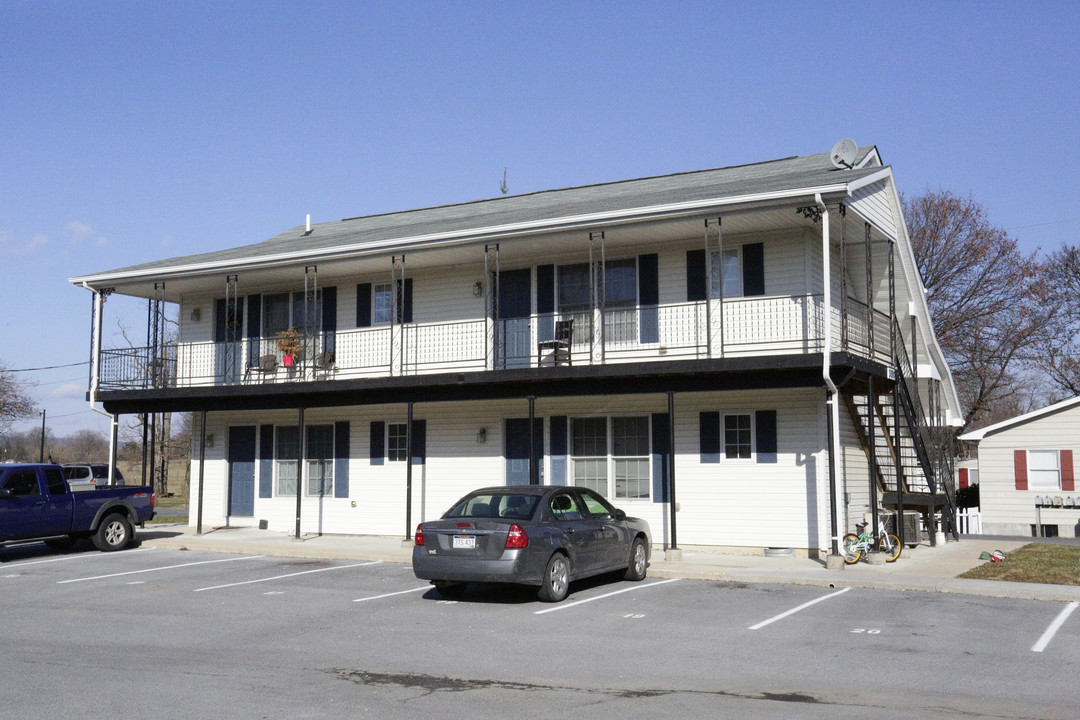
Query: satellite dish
[843,153]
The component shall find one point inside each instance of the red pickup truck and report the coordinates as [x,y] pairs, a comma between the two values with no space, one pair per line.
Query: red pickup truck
[36,503]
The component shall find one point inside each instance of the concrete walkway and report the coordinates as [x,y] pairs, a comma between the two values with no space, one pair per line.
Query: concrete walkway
[923,568]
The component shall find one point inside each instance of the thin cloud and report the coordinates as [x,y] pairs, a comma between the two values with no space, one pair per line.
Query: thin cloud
[81,232]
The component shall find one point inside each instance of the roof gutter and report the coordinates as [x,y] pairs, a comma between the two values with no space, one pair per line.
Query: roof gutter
[461,237]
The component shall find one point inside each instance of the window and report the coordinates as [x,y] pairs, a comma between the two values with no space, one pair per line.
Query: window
[397,441]
[611,455]
[282,311]
[726,273]
[738,437]
[319,459]
[1044,472]
[22,483]
[620,297]
[382,305]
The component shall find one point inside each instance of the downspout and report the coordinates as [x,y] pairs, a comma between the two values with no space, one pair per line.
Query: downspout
[826,367]
[95,379]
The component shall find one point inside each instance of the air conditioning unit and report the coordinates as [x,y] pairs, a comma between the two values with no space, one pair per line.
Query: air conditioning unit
[912,526]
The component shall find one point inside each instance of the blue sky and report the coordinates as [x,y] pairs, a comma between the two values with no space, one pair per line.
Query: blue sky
[135,131]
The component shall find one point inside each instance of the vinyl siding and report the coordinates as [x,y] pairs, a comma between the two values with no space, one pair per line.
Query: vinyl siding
[872,202]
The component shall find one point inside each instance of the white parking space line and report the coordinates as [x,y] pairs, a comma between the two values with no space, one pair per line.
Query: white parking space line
[402,592]
[567,606]
[166,567]
[289,575]
[1048,635]
[792,611]
[79,556]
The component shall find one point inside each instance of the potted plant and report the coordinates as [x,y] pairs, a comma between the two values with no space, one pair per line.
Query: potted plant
[288,342]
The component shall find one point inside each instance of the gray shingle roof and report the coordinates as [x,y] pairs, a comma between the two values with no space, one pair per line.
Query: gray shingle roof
[733,181]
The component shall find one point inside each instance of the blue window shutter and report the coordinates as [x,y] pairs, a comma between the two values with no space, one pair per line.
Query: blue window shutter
[419,441]
[378,443]
[341,459]
[649,297]
[765,424]
[661,450]
[709,431]
[695,276]
[254,329]
[753,257]
[545,302]
[266,461]
[558,449]
[329,319]
[363,305]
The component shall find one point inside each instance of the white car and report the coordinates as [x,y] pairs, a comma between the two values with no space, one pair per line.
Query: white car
[83,477]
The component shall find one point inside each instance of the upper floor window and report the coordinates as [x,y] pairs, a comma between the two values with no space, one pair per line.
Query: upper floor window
[282,311]
[726,273]
[382,303]
[620,285]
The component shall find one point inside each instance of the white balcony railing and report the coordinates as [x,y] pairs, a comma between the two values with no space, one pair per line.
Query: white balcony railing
[737,327]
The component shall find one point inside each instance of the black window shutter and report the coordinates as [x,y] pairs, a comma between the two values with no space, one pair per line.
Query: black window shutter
[219,320]
[363,305]
[329,318]
[709,430]
[254,329]
[266,461]
[378,443]
[695,276]
[661,449]
[545,289]
[765,424]
[419,441]
[341,459]
[753,257]
[404,314]
[649,297]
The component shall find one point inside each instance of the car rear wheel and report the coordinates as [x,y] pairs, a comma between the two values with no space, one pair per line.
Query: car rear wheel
[638,561]
[556,582]
[114,533]
[451,590]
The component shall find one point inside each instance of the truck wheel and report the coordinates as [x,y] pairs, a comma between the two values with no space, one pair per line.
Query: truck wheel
[61,543]
[114,533]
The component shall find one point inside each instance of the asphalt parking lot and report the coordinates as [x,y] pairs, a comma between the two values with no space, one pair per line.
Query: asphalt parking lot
[203,634]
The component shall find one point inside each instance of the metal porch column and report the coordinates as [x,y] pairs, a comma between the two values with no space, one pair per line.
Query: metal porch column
[534,469]
[408,472]
[300,471]
[671,467]
[202,467]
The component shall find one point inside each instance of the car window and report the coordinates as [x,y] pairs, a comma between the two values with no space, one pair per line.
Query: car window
[77,473]
[54,478]
[597,505]
[564,506]
[519,507]
[22,483]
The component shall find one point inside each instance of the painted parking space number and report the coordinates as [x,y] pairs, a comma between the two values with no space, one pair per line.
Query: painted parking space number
[867,631]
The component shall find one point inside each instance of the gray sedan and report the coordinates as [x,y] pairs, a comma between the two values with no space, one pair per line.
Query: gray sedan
[544,536]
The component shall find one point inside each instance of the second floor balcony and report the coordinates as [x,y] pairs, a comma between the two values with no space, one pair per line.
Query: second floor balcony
[710,329]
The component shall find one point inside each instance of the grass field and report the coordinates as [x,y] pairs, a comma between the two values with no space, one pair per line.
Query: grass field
[1033,563]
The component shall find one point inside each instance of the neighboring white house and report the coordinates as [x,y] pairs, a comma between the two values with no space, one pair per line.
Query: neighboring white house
[1026,472]
[722,352]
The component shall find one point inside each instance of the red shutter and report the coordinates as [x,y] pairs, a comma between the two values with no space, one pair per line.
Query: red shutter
[963,478]
[1067,483]
[1020,468]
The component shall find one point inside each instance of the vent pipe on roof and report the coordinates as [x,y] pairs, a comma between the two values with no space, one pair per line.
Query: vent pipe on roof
[308,227]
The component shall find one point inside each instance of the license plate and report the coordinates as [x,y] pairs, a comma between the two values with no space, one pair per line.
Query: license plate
[464,542]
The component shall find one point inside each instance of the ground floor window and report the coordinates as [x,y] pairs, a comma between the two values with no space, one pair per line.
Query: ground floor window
[397,442]
[611,455]
[1044,472]
[319,459]
[738,436]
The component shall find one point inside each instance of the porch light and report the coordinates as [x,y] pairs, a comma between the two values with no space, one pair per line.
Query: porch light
[477,289]
[481,436]
[196,314]
[210,440]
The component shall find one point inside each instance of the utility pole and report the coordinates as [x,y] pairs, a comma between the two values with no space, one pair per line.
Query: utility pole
[42,456]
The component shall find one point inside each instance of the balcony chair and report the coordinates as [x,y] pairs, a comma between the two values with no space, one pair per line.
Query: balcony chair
[267,365]
[324,363]
[560,346]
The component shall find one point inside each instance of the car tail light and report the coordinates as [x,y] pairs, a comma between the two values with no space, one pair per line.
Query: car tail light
[153,499]
[418,539]
[516,538]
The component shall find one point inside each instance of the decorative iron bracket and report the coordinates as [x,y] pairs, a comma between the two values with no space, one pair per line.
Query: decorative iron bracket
[811,212]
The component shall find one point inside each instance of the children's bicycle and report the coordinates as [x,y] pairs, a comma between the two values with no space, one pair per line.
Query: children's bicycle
[854,545]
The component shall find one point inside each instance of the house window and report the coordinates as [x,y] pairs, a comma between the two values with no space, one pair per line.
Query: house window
[1044,470]
[620,297]
[282,311]
[738,436]
[397,442]
[382,303]
[726,273]
[319,460]
[611,455]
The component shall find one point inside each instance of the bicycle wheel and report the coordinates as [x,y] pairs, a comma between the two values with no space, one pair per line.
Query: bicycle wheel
[850,549]
[890,546]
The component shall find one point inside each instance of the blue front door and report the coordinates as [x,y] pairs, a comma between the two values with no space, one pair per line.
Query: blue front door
[242,470]
[517,450]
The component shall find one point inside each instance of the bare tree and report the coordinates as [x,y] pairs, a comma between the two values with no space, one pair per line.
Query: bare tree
[987,307]
[15,403]
[1059,352]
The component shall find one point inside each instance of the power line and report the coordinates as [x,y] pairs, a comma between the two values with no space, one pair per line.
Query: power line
[50,367]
